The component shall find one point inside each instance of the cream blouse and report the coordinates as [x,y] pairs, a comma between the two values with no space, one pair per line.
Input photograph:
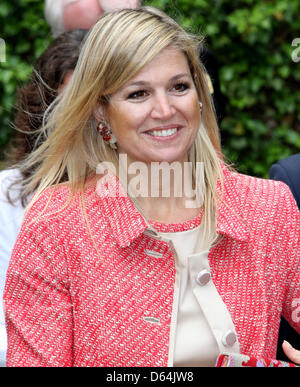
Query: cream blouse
[201,326]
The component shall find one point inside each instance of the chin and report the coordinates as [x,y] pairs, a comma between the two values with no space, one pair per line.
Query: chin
[165,159]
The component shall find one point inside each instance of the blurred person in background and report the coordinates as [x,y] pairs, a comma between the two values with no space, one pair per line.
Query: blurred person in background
[67,15]
[51,74]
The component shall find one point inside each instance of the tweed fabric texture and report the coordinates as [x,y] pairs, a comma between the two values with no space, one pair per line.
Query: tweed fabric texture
[80,282]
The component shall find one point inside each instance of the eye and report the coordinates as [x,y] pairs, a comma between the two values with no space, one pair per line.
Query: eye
[138,94]
[181,87]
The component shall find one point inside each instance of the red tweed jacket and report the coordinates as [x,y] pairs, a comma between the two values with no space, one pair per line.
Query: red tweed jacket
[80,282]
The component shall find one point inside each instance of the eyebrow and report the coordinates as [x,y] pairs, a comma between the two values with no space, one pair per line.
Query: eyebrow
[143,83]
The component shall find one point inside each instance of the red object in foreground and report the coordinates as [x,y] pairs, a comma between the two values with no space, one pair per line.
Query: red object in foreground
[236,360]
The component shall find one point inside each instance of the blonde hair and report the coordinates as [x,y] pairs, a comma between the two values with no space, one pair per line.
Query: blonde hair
[117,48]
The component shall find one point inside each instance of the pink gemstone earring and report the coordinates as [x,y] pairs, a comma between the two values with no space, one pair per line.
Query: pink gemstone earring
[105,131]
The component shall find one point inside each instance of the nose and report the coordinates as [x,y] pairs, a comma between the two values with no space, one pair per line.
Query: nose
[162,107]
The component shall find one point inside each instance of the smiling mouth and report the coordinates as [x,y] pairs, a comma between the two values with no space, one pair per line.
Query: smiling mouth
[162,133]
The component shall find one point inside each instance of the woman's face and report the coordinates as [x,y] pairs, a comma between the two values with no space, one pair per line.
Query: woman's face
[156,115]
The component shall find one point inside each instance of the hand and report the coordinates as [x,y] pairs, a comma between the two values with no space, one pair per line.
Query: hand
[85,13]
[81,14]
[109,5]
[292,353]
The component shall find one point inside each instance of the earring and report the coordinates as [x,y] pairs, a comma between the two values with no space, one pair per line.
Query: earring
[105,131]
[200,104]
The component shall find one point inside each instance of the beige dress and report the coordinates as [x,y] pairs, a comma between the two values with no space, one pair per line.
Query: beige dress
[201,326]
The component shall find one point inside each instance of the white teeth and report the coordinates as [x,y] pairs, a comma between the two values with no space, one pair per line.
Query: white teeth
[163,133]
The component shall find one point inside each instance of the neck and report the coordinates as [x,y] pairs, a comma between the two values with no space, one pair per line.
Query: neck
[166,210]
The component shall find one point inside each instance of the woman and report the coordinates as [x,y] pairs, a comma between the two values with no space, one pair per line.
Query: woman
[52,72]
[110,269]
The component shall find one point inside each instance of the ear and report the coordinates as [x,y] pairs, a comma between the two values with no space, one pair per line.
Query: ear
[98,113]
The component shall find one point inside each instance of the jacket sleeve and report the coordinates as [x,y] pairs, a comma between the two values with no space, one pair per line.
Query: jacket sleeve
[37,302]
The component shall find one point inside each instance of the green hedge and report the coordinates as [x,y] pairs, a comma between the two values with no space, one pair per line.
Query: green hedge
[252,40]
[26,35]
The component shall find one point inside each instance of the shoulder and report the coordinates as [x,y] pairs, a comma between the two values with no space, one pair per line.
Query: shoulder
[50,202]
[7,178]
[289,165]
[47,218]
[11,172]
[250,186]
[11,215]
[59,218]
[58,205]
[287,170]
[264,195]
[290,162]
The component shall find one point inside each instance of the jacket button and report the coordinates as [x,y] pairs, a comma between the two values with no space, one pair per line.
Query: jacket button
[229,338]
[203,277]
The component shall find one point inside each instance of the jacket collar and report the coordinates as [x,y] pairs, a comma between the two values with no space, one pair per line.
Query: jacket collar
[127,223]
[230,219]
